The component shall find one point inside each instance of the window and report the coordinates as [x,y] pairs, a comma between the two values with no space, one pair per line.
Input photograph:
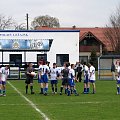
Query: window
[16,58]
[41,57]
[85,42]
[61,58]
[83,59]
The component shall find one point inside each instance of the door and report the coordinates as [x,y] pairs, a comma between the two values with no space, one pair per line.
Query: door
[15,58]
[41,57]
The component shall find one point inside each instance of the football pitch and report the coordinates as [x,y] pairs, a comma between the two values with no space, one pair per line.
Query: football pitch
[104,105]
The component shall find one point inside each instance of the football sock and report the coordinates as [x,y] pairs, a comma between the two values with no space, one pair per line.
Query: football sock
[56,89]
[31,88]
[75,92]
[4,92]
[88,90]
[26,89]
[46,89]
[61,89]
[0,91]
[85,90]
[52,89]
[68,92]
[94,91]
[118,89]
[71,91]
[42,90]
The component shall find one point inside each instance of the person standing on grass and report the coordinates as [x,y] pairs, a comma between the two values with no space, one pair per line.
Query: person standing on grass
[40,76]
[92,77]
[53,78]
[45,78]
[71,83]
[118,83]
[113,70]
[76,65]
[65,78]
[79,72]
[118,68]
[86,78]
[4,72]
[29,78]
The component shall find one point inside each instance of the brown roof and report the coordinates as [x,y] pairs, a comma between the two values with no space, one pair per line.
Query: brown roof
[97,32]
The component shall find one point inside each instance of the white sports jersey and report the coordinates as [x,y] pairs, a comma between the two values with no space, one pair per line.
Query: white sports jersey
[41,69]
[53,73]
[118,69]
[4,73]
[59,69]
[118,77]
[45,69]
[69,67]
[71,73]
[92,72]
[85,68]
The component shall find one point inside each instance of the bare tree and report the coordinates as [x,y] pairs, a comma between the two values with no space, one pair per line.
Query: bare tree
[21,26]
[6,22]
[112,31]
[45,21]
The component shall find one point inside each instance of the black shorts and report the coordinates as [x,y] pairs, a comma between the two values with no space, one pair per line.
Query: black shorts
[29,80]
[65,81]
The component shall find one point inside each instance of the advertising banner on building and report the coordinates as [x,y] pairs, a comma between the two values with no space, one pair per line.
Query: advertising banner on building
[24,44]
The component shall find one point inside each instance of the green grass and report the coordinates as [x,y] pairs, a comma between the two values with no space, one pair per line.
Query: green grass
[104,105]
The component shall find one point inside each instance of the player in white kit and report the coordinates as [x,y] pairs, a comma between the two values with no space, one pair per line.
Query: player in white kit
[53,78]
[4,72]
[92,78]
[45,78]
[40,76]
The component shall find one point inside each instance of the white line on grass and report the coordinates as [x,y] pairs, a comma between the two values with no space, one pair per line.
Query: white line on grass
[29,101]
[95,102]
[14,105]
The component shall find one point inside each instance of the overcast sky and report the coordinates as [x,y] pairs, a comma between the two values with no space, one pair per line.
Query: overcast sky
[82,13]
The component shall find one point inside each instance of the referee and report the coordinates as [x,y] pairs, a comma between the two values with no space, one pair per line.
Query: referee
[29,78]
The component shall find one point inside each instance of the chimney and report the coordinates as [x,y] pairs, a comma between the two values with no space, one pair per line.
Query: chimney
[73,26]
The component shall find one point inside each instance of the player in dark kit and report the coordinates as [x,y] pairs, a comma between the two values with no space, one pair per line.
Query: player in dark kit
[65,79]
[79,71]
[29,78]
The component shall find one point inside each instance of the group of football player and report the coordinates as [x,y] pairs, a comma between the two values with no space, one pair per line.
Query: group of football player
[67,74]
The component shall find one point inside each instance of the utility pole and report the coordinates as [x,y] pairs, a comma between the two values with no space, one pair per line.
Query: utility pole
[27,21]
[27,29]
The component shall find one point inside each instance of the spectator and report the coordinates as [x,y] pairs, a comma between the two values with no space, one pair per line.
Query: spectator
[113,70]
[79,71]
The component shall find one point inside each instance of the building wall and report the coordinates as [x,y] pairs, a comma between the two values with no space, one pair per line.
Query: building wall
[64,42]
[6,56]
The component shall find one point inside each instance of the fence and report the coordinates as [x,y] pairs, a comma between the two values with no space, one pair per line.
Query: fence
[104,66]
[17,71]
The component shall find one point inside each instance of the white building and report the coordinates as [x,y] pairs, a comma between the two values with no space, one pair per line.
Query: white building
[29,46]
